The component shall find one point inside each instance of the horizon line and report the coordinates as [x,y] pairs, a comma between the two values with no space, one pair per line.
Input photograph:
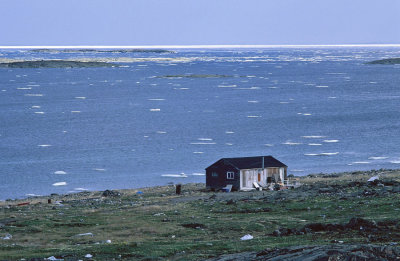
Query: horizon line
[192,46]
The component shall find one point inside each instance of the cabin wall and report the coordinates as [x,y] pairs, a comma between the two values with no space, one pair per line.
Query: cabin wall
[216,177]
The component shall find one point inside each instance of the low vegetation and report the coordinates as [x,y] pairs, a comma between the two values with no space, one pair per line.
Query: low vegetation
[156,224]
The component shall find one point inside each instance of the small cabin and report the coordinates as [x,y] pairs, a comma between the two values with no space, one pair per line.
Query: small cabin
[242,173]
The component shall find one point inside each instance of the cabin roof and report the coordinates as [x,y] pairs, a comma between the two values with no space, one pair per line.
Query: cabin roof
[251,162]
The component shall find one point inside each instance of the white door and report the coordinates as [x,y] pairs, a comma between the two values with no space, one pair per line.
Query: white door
[282,174]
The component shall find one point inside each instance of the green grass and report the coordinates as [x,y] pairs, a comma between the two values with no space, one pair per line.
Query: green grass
[150,226]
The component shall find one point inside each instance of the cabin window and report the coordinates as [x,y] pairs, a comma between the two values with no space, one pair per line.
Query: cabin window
[230,175]
[214,174]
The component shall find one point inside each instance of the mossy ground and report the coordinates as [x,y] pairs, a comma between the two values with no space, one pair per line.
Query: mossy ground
[149,225]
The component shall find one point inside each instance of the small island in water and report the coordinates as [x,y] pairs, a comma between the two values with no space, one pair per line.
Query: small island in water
[386,61]
[101,51]
[54,64]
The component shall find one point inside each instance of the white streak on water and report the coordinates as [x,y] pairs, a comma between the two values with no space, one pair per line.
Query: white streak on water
[322,154]
[44,145]
[203,143]
[377,158]
[313,137]
[227,86]
[60,172]
[182,175]
[34,95]
[80,189]
[32,195]
[61,183]
[155,109]
[291,143]
[331,141]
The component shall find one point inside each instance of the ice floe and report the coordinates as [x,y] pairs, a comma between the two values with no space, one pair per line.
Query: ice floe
[34,95]
[322,154]
[181,175]
[227,86]
[80,189]
[60,172]
[32,195]
[291,143]
[377,158]
[61,183]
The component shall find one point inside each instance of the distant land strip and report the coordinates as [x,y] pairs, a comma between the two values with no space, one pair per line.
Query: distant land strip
[191,46]
[386,61]
[55,64]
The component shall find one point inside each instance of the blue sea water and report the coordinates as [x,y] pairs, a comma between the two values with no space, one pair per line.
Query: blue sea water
[316,110]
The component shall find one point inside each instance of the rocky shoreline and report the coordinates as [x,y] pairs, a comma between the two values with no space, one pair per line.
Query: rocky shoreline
[340,216]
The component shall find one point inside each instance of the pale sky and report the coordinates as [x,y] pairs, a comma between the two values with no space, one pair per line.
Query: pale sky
[198,22]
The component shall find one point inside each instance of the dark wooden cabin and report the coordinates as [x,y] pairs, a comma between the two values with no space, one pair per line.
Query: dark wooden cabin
[241,173]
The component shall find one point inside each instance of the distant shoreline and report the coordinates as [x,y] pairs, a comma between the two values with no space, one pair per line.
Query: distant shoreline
[196,46]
